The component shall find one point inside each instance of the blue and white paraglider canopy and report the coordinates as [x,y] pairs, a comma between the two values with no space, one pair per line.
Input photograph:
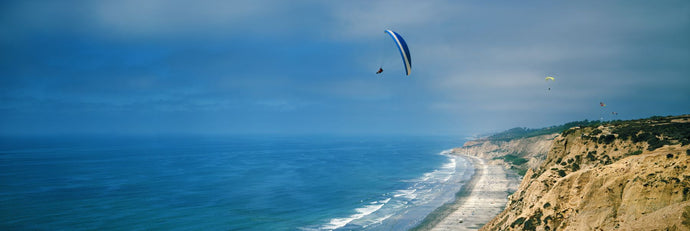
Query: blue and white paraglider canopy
[404,51]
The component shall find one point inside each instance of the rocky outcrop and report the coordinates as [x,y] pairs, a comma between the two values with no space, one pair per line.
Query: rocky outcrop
[630,175]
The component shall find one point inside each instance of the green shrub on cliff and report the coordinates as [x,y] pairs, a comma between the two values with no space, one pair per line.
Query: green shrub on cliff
[596,132]
[638,152]
[513,159]
[561,173]
[607,139]
[655,143]
[517,222]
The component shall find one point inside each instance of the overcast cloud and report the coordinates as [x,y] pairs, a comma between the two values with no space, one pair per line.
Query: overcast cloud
[229,67]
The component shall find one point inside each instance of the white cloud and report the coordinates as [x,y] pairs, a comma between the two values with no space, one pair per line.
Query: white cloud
[159,19]
[368,19]
[177,17]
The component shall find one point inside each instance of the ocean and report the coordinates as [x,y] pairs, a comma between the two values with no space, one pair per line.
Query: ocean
[226,182]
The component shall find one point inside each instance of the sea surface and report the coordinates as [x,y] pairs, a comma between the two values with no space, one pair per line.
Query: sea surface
[225,182]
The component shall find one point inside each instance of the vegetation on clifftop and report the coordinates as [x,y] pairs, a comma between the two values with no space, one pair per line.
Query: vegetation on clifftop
[518,133]
[647,128]
[656,131]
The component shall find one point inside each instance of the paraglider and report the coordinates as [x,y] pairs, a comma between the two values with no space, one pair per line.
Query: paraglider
[602,105]
[404,51]
[547,81]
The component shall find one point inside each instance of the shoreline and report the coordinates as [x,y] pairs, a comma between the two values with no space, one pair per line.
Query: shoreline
[483,197]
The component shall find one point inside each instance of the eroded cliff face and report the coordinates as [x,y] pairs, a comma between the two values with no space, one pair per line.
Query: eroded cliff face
[604,178]
[533,150]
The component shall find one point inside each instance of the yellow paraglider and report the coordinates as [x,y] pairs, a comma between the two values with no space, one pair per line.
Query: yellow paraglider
[547,81]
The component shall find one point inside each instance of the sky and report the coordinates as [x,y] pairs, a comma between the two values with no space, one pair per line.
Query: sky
[308,67]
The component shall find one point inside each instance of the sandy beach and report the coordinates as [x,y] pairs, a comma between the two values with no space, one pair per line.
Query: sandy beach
[478,202]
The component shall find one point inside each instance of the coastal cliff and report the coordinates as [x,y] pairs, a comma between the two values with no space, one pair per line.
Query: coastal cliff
[518,154]
[627,175]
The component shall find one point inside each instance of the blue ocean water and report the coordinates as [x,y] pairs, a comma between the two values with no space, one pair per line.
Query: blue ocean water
[225,182]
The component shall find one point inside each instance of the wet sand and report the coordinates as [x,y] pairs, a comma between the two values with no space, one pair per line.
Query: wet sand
[480,200]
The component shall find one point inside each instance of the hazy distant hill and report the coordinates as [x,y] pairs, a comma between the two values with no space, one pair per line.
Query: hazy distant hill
[628,175]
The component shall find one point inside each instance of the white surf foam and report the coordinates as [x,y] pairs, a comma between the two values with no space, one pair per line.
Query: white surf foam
[408,193]
[337,223]
[379,220]
[420,191]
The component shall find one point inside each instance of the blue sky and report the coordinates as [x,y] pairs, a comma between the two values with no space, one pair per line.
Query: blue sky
[305,67]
